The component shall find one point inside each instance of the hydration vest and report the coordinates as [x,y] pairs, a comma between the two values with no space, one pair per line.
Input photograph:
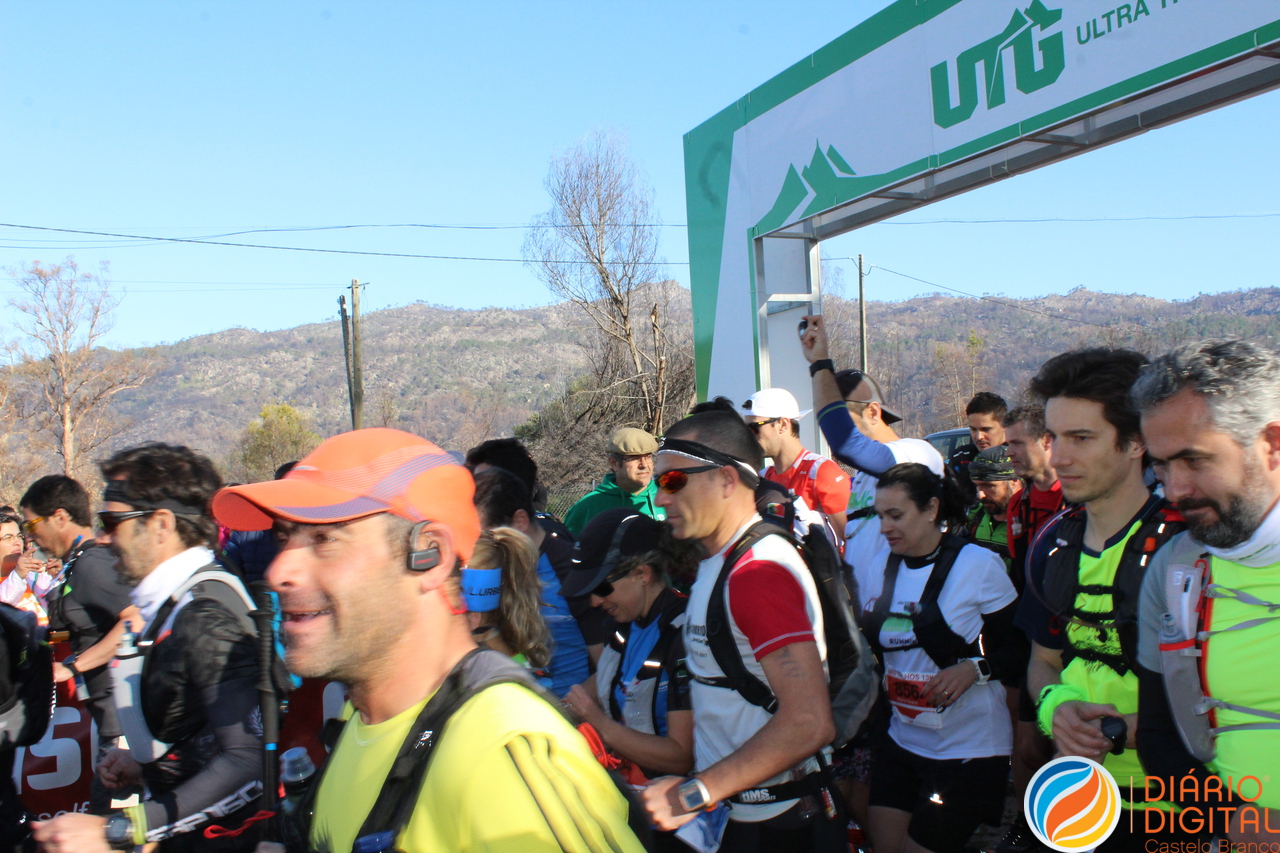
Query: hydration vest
[999,547]
[943,646]
[54,598]
[1157,525]
[852,682]
[397,799]
[129,665]
[641,711]
[1188,584]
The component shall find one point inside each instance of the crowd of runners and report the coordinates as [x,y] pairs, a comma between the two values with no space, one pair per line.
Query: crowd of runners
[688,660]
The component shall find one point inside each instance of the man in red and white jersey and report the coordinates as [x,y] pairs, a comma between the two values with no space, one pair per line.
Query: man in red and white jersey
[754,632]
[774,416]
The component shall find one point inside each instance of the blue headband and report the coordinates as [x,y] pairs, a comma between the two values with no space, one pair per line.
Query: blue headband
[481,589]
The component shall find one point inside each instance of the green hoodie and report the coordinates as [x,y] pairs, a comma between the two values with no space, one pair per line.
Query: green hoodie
[609,495]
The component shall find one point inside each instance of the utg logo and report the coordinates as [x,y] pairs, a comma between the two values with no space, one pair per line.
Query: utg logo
[1072,804]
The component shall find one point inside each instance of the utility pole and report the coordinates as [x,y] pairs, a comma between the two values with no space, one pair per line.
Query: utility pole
[346,356]
[862,317]
[357,366]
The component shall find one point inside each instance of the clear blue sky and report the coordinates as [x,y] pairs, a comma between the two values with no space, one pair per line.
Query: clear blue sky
[190,119]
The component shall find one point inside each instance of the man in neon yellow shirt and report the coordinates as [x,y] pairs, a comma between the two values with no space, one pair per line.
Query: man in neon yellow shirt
[375,526]
[1079,605]
[1211,420]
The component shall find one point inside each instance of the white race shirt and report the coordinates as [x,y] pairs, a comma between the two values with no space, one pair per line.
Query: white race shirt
[722,720]
[977,724]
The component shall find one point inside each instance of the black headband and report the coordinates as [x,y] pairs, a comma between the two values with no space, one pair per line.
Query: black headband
[116,492]
[701,453]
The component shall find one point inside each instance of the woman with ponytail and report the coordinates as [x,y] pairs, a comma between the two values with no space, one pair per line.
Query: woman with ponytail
[938,610]
[504,599]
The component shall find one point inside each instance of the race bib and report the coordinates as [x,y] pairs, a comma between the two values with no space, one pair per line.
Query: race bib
[906,691]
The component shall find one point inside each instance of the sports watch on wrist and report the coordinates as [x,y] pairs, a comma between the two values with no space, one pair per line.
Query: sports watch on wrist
[693,795]
[119,831]
[983,668]
[70,663]
[822,364]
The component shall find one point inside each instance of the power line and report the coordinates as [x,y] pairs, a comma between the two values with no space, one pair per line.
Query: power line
[246,284]
[203,242]
[1082,219]
[272,229]
[989,299]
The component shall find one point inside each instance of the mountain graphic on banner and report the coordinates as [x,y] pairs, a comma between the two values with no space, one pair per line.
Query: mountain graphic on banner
[825,182]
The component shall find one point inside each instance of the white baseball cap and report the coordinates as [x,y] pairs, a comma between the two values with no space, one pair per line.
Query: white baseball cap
[774,403]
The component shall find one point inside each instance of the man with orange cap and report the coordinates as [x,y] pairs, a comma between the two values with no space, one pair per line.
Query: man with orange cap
[375,527]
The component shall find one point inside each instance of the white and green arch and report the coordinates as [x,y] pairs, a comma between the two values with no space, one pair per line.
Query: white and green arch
[927,99]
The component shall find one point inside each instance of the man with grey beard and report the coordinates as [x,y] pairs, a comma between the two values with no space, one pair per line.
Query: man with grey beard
[1211,421]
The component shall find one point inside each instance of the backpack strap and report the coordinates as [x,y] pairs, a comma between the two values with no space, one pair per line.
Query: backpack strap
[859,514]
[720,636]
[1157,525]
[209,581]
[943,646]
[398,797]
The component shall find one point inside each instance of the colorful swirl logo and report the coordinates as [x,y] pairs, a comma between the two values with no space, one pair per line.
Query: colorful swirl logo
[1072,804]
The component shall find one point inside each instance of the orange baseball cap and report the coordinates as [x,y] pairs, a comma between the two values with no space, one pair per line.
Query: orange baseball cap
[358,474]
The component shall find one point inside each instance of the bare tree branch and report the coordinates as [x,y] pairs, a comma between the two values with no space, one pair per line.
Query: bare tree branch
[68,377]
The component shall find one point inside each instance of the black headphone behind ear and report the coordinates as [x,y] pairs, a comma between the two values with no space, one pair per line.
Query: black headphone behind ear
[426,559]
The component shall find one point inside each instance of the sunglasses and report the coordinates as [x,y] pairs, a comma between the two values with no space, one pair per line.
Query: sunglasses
[29,526]
[605,589]
[109,521]
[676,479]
[755,427]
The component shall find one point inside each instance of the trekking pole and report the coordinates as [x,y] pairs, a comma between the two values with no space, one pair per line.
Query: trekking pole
[262,619]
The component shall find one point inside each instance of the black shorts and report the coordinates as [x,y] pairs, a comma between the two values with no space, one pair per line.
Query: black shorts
[947,798]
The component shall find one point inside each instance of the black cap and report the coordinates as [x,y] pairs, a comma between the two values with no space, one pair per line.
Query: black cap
[607,540]
[992,465]
[847,380]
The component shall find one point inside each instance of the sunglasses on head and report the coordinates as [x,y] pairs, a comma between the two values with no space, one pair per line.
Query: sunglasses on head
[109,521]
[755,427]
[676,479]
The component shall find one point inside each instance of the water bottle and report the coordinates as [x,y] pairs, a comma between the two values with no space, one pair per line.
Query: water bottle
[296,771]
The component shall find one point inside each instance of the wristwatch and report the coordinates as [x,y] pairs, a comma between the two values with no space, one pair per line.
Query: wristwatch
[693,795]
[983,668]
[120,832]
[70,663]
[822,364]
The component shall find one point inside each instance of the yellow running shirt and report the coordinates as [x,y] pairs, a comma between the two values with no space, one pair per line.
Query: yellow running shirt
[1100,682]
[509,774]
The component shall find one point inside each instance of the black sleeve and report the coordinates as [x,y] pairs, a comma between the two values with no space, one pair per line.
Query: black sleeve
[97,598]
[1006,648]
[1160,747]
[1034,617]
[221,668]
